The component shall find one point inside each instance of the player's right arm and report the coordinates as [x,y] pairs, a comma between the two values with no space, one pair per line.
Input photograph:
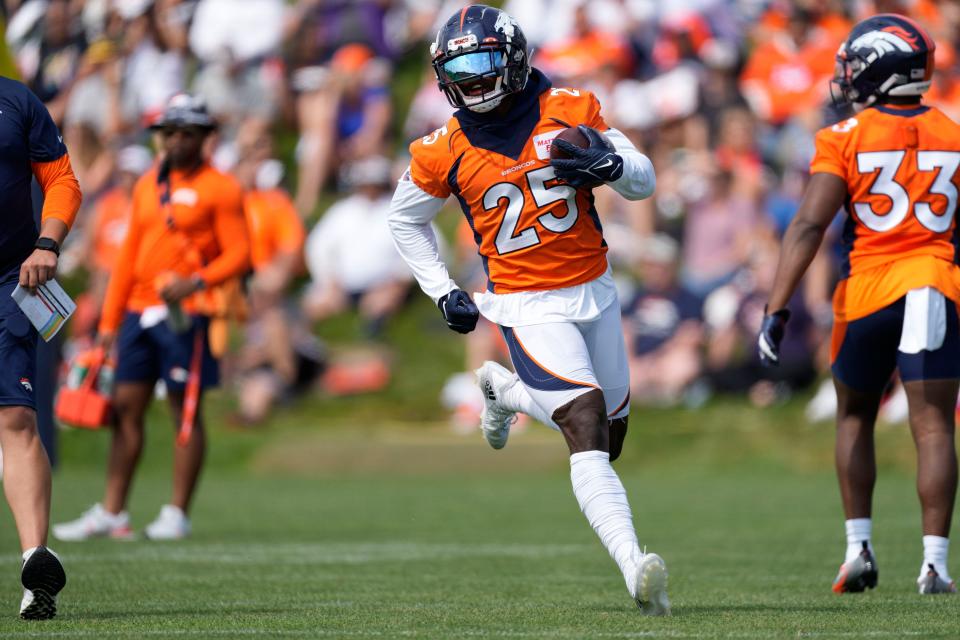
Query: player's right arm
[824,195]
[823,198]
[420,194]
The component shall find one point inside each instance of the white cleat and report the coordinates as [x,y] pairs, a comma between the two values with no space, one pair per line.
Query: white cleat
[650,588]
[171,524]
[931,582]
[495,420]
[96,522]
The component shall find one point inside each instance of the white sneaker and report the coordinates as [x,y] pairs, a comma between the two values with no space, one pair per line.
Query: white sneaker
[95,522]
[823,405]
[495,420]
[650,588]
[171,524]
[42,577]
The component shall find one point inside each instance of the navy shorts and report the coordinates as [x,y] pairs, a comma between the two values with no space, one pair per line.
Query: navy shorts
[18,352]
[868,352]
[148,355]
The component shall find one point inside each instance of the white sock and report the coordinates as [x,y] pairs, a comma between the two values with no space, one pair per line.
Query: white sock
[935,550]
[515,397]
[29,552]
[603,501]
[858,531]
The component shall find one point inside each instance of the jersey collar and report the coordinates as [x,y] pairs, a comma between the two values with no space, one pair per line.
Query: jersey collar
[507,135]
[900,111]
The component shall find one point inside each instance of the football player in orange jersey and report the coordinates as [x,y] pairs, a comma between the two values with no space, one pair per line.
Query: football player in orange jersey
[893,167]
[540,240]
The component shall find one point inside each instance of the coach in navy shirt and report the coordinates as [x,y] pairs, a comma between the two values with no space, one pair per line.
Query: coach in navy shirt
[30,147]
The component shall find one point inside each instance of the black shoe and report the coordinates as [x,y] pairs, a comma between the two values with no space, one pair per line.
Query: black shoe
[42,577]
[858,575]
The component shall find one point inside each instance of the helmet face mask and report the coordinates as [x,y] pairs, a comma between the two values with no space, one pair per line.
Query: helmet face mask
[842,89]
[480,57]
[885,56]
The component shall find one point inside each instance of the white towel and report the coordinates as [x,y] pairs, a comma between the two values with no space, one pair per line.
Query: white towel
[924,321]
[152,316]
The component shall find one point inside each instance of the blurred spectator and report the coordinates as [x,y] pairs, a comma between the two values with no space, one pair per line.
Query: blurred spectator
[787,72]
[51,63]
[736,149]
[719,234]
[663,326]
[154,43]
[350,253]
[344,116]
[279,357]
[237,44]
[586,52]
[317,28]
[429,110]
[733,314]
[92,118]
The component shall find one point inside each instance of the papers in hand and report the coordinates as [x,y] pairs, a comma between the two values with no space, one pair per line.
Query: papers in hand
[47,309]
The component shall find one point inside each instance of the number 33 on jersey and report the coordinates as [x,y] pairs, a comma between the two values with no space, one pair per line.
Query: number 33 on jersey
[533,233]
[900,166]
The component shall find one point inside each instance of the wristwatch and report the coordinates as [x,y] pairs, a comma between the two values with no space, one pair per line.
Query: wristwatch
[48,244]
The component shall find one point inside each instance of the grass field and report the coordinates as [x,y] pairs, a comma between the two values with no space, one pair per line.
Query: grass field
[363,530]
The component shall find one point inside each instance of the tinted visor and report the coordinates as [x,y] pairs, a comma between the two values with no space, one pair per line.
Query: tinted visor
[475,73]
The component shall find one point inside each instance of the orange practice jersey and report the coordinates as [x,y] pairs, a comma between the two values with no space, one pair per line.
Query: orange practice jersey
[274,225]
[533,233]
[209,238]
[900,166]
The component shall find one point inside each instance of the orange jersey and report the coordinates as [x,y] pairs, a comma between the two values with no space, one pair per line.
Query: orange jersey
[532,232]
[110,227]
[781,79]
[900,166]
[208,238]
[274,225]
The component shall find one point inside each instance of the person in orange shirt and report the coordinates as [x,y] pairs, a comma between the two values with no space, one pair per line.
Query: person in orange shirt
[269,362]
[785,73]
[894,168]
[187,237]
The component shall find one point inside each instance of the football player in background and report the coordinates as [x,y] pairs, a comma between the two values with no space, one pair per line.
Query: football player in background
[549,284]
[893,167]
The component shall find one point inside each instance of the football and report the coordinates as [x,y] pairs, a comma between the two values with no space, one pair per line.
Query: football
[571,135]
[574,136]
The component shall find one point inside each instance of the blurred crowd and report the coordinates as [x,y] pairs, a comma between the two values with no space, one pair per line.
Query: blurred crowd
[723,95]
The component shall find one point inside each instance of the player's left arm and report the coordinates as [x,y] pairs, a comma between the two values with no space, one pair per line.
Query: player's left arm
[822,199]
[639,180]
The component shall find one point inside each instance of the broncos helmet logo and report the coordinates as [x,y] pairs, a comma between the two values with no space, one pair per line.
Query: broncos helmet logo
[885,41]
